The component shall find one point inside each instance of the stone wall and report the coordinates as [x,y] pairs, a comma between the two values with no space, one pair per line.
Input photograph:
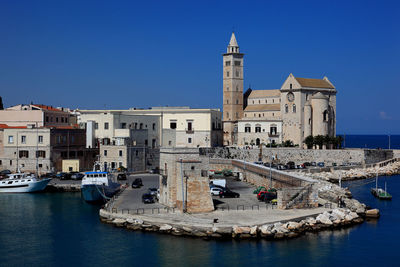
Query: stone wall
[284,155]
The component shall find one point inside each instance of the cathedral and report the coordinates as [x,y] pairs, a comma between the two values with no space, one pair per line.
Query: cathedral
[301,107]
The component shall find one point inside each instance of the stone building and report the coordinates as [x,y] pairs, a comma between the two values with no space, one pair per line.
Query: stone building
[43,149]
[36,115]
[301,107]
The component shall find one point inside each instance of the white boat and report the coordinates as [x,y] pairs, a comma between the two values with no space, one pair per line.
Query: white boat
[22,183]
[98,186]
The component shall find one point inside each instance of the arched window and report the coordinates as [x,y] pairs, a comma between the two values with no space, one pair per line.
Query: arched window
[237,101]
[294,108]
[247,128]
[258,128]
[286,108]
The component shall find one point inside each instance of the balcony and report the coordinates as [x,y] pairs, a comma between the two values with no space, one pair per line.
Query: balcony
[189,131]
[273,134]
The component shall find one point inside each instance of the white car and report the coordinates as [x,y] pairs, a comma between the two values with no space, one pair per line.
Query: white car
[215,191]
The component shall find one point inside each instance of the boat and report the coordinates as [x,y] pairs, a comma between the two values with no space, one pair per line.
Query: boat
[22,183]
[98,186]
[379,192]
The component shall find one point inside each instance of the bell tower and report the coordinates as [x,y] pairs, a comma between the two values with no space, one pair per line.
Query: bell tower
[232,90]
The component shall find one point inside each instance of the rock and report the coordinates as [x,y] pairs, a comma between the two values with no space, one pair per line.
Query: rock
[374,213]
[311,221]
[292,234]
[293,226]
[266,229]
[200,234]
[187,229]
[339,214]
[119,222]
[253,230]
[279,235]
[240,230]
[322,218]
[165,227]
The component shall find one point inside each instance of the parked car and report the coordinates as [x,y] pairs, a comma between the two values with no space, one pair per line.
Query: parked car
[313,164]
[281,167]
[148,198]
[76,175]
[153,191]
[321,164]
[63,176]
[121,176]
[228,193]
[307,164]
[290,165]
[215,191]
[137,183]
[48,175]
[266,196]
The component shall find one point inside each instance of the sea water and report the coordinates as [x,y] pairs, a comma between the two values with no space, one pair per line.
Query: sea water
[60,229]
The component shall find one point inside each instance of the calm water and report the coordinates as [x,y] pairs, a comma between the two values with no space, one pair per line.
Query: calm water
[60,229]
[371,141]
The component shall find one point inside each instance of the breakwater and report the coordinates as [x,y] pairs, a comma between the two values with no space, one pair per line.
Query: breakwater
[328,220]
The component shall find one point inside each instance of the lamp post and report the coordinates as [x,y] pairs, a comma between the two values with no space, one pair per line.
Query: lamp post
[270,163]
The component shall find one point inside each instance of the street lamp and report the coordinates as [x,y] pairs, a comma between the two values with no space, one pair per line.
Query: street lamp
[270,163]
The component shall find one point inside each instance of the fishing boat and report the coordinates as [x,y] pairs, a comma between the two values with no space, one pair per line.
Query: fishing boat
[98,186]
[379,192]
[22,183]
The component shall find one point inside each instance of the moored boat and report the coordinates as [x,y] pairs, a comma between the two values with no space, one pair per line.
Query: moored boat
[22,183]
[379,192]
[97,186]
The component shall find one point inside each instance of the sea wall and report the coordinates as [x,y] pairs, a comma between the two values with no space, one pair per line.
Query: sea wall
[284,155]
[335,219]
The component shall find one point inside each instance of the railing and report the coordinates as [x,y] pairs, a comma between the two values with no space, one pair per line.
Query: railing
[274,134]
[267,206]
[189,131]
[140,211]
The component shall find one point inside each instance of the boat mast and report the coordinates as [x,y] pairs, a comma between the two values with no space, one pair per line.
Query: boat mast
[17,170]
[37,153]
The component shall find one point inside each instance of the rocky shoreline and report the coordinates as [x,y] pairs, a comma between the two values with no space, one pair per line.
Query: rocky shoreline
[356,174]
[328,220]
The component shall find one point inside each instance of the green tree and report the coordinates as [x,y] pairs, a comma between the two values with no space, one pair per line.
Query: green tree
[309,141]
[319,141]
[328,141]
[339,141]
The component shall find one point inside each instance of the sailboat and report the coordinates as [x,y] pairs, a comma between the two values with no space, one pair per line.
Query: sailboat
[379,192]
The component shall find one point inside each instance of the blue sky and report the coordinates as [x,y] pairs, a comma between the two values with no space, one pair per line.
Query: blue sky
[121,54]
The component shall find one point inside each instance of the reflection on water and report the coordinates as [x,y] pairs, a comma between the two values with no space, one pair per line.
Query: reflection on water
[61,229]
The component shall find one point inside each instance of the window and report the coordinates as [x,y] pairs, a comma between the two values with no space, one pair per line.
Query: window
[227,101]
[106,126]
[172,125]
[153,143]
[237,73]
[154,126]
[237,88]
[309,121]
[286,108]
[325,115]
[189,140]
[24,154]
[227,74]
[253,101]
[237,101]
[10,139]
[146,142]
[10,162]
[258,129]
[1,162]
[47,118]
[189,126]
[105,153]
[266,101]
[56,119]
[120,153]
[227,63]
[273,129]
[259,101]
[227,88]
[96,126]
[66,120]
[169,143]
[40,154]
[137,153]
[237,115]
[141,126]
[237,63]
[23,139]
[227,115]
[40,139]
[294,108]
[290,86]
[123,125]
[247,128]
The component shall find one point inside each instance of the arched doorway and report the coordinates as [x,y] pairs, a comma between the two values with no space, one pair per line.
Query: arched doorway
[258,141]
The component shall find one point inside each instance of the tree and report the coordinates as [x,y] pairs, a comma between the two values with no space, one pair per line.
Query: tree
[309,141]
[288,143]
[339,141]
[328,141]
[319,141]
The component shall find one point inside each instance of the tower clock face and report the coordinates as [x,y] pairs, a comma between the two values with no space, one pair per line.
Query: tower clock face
[290,97]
